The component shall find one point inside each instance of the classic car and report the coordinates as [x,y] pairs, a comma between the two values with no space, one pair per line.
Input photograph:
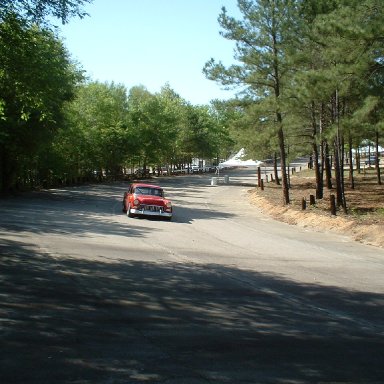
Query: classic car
[146,200]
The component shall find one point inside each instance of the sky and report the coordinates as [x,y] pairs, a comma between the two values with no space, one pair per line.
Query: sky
[153,43]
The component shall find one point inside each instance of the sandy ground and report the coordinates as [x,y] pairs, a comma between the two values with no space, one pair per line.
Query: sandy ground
[367,233]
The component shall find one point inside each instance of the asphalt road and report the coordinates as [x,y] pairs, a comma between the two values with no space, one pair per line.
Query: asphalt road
[222,294]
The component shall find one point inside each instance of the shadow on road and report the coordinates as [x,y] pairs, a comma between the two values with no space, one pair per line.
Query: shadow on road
[75,321]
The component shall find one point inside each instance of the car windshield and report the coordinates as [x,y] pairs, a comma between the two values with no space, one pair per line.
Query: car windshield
[148,191]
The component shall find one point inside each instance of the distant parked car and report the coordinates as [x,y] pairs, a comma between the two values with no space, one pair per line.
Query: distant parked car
[146,200]
[164,171]
[196,169]
[142,173]
[209,168]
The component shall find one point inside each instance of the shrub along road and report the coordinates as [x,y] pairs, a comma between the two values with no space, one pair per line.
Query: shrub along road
[222,294]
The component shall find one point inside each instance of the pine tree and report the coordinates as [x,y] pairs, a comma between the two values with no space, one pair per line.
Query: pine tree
[262,38]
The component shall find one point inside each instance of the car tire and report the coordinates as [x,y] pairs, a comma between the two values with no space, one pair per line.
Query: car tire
[124,209]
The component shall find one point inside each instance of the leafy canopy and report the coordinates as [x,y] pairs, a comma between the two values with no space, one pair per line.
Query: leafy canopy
[38,11]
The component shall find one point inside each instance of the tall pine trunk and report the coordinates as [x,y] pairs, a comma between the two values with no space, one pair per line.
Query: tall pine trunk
[339,171]
[279,118]
[318,173]
[275,170]
[283,166]
[338,155]
[377,165]
[327,165]
[350,157]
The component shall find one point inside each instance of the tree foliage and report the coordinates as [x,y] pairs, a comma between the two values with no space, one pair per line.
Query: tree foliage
[109,131]
[262,41]
[311,76]
[37,11]
[36,78]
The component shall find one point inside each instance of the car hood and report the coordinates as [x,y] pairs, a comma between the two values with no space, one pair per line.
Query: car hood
[151,200]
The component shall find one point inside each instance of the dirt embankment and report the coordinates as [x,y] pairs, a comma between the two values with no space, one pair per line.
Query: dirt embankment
[364,221]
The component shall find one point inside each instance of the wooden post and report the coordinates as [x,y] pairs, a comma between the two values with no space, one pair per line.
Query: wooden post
[312,200]
[262,184]
[333,204]
[303,204]
[258,176]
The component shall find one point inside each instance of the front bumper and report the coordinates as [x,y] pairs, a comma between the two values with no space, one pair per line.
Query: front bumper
[145,212]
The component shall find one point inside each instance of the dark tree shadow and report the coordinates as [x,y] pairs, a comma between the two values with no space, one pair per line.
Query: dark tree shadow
[65,320]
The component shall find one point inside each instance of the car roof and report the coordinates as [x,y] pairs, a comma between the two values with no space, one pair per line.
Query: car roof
[146,185]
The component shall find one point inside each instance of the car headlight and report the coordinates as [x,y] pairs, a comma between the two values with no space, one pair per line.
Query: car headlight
[169,204]
[136,202]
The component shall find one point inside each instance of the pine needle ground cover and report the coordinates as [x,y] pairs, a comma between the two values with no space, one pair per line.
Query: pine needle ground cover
[363,222]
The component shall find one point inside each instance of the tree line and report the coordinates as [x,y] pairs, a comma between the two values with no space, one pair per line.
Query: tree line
[57,127]
[310,74]
[110,131]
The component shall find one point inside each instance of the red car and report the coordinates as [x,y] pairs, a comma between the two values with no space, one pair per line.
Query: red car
[146,200]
